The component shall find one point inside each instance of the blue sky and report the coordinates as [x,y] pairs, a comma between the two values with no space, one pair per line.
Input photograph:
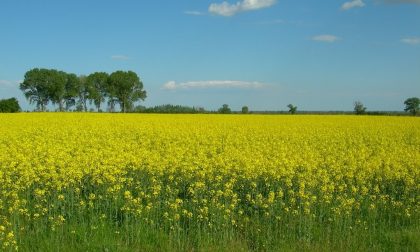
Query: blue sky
[318,55]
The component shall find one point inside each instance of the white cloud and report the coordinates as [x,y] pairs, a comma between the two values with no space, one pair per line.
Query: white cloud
[226,9]
[411,41]
[401,1]
[119,57]
[194,13]
[352,4]
[9,83]
[326,38]
[172,85]
[272,22]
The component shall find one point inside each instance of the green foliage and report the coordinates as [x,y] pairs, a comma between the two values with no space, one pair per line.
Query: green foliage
[412,105]
[292,109]
[127,89]
[224,109]
[57,81]
[245,110]
[359,108]
[82,93]
[96,84]
[9,105]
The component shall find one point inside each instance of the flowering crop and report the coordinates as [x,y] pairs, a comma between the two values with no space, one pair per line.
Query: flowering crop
[205,172]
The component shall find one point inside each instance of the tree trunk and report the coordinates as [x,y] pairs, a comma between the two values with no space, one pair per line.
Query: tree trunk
[84,105]
[60,106]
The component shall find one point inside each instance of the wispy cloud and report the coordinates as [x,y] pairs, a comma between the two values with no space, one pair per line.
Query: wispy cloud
[194,13]
[400,1]
[9,83]
[327,38]
[120,57]
[172,85]
[411,40]
[272,22]
[227,9]
[352,4]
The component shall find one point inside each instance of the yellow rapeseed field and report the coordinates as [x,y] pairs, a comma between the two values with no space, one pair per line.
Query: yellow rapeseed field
[206,171]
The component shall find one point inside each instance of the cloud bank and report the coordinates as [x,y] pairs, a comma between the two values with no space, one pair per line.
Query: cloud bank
[226,9]
[9,83]
[119,57]
[401,1]
[172,85]
[352,4]
[411,41]
[194,13]
[327,38]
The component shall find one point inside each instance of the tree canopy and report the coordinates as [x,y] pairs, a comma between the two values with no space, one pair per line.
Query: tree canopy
[127,88]
[96,86]
[35,87]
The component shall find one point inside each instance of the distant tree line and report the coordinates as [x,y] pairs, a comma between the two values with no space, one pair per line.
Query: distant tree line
[67,90]
[9,105]
[412,106]
[170,109]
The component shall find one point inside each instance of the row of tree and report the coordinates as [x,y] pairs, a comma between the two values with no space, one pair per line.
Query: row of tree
[170,109]
[412,106]
[42,86]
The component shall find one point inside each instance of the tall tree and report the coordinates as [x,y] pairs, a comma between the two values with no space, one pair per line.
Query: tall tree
[72,90]
[359,108]
[96,84]
[111,93]
[57,81]
[225,109]
[82,93]
[35,87]
[412,105]
[127,88]
[292,109]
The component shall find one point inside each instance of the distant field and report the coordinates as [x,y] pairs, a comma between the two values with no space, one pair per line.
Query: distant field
[135,182]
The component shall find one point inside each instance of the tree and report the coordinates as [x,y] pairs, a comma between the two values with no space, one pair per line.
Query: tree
[126,87]
[41,86]
[245,110]
[35,87]
[72,90]
[57,81]
[292,109]
[9,105]
[111,93]
[96,84]
[359,109]
[82,93]
[225,109]
[412,105]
